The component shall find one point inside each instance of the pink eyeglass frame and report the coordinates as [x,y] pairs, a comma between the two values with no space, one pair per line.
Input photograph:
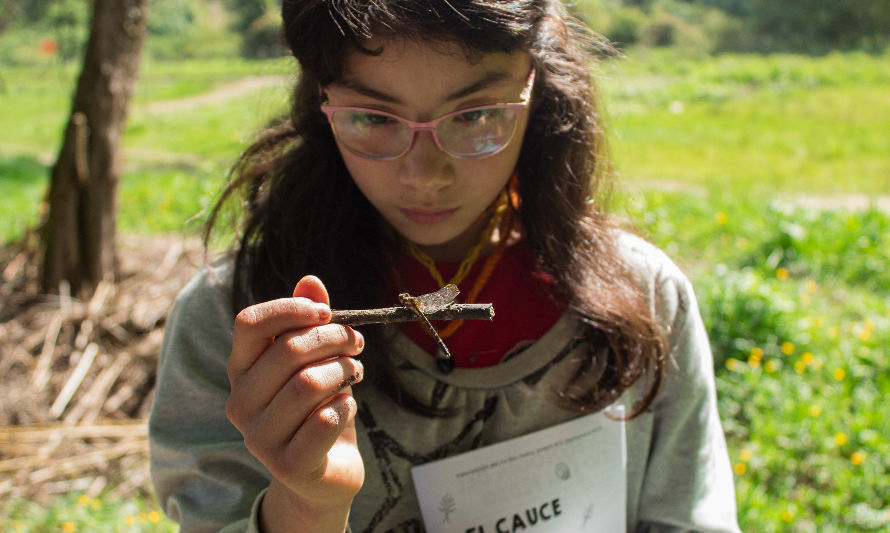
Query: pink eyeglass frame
[414,127]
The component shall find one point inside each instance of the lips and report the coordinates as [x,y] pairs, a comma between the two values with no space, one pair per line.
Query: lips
[427,216]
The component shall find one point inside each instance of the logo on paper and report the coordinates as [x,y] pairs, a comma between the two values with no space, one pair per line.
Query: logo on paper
[447,506]
[562,471]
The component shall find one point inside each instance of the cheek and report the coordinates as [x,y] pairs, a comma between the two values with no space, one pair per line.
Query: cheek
[369,176]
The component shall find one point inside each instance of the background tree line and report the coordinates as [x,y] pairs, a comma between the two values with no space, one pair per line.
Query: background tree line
[807,26]
[190,29]
[177,29]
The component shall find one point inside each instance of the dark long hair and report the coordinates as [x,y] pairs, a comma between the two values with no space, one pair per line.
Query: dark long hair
[303,213]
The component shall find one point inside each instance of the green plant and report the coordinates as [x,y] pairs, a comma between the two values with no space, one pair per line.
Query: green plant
[626,26]
[78,512]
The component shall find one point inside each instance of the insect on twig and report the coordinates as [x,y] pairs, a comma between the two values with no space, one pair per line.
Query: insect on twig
[437,305]
[430,303]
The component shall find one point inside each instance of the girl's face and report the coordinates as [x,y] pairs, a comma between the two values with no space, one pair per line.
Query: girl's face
[430,197]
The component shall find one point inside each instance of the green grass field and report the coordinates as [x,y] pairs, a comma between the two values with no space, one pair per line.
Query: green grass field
[719,156]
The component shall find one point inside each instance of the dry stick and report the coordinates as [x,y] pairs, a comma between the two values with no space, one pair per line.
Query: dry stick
[74,381]
[41,372]
[95,398]
[14,266]
[43,432]
[392,315]
[170,259]
[73,465]
[65,298]
[89,399]
[98,300]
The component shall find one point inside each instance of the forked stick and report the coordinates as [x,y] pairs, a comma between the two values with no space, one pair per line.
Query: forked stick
[393,315]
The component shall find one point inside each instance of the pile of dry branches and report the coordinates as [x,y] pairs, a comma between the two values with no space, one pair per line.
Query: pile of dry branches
[77,376]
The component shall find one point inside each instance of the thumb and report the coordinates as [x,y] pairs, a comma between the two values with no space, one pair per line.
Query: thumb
[312,288]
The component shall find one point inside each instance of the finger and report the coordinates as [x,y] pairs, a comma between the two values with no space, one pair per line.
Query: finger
[301,396]
[254,389]
[257,325]
[312,288]
[311,444]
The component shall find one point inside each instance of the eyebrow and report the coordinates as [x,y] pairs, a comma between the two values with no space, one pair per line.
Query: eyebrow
[490,78]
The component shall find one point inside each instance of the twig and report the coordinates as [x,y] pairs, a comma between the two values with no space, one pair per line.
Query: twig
[80,372]
[392,315]
[14,266]
[93,459]
[43,432]
[92,402]
[42,370]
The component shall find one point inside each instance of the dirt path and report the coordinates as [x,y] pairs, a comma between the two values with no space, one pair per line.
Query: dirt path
[217,95]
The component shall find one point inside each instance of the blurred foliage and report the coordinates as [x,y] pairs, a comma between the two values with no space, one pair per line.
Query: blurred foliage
[78,512]
[185,29]
[808,26]
[263,38]
[178,29]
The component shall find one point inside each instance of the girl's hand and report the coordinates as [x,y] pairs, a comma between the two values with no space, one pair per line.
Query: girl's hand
[291,400]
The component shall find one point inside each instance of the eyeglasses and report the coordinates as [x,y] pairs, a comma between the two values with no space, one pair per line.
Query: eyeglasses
[469,133]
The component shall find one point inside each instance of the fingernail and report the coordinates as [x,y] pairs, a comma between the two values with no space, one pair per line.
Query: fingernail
[360,341]
[324,312]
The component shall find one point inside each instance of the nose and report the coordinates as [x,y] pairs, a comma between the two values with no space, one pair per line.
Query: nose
[424,165]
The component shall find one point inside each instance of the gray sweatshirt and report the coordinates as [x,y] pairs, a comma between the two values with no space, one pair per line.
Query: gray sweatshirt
[678,474]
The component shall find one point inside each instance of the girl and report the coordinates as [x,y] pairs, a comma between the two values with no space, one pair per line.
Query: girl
[428,143]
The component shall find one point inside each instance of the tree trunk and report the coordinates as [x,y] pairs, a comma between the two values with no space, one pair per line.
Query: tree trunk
[79,231]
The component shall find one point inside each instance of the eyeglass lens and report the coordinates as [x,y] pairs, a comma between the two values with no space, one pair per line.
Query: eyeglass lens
[474,133]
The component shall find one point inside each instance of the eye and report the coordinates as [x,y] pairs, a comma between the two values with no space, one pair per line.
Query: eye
[480,116]
[370,119]
[475,115]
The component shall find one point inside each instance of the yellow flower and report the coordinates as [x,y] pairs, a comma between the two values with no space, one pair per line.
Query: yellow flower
[782,273]
[772,366]
[732,363]
[96,505]
[800,367]
[68,527]
[83,500]
[745,454]
[857,458]
[815,410]
[788,514]
[757,352]
[811,286]
[839,374]
[865,333]
[154,517]
[753,362]
[130,520]
[142,516]
[787,348]
[840,438]
[807,358]
[739,468]
[721,218]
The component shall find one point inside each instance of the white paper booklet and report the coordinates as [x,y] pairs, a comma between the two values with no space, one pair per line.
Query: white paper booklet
[569,478]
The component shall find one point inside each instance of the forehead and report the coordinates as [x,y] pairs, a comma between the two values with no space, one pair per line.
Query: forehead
[408,65]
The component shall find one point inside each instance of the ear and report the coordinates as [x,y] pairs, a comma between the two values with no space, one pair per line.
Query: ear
[312,288]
